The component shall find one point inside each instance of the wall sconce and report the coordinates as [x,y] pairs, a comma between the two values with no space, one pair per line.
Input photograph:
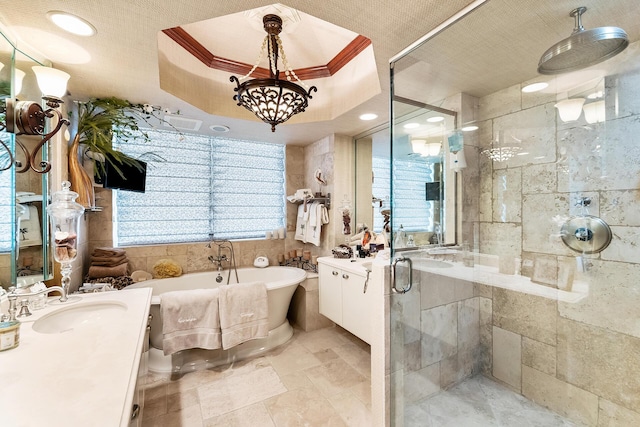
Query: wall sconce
[420,146]
[28,117]
[594,112]
[18,77]
[570,109]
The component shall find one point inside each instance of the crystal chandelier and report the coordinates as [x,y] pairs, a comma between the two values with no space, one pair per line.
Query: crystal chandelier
[272,100]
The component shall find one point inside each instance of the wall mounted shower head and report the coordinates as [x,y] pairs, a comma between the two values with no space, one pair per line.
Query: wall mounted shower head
[583,48]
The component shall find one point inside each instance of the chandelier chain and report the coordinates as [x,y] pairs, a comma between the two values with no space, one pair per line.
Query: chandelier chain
[288,71]
[260,56]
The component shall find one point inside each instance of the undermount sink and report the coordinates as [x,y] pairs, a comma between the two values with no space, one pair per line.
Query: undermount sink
[431,263]
[79,315]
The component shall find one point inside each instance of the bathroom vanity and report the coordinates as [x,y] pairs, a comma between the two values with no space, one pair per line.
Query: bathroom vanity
[77,363]
[345,294]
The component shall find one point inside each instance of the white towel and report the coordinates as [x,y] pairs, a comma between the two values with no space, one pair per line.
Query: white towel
[244,313]
[301,223]
[190,319]
[30,233]
[317,218]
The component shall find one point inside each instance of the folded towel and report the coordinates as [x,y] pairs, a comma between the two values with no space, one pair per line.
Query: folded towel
[190,320]
[317,218]
[108,261]
[97,271]
[102,252]
[244,313]
[301,223]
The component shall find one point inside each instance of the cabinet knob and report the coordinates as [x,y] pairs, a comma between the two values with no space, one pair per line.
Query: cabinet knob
[335,273]
[345,276]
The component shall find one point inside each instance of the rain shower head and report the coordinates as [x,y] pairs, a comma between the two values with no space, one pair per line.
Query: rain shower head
[583,48]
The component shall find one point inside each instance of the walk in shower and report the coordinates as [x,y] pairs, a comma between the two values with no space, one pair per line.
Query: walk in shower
[526,313]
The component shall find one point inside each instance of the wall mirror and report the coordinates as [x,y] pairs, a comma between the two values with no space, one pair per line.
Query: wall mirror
[426,192]
[25,258]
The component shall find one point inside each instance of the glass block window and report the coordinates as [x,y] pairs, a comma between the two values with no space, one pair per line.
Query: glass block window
[204,187]
[6,205]
[411,209]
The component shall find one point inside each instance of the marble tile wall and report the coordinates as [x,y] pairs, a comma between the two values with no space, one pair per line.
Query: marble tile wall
[578,357]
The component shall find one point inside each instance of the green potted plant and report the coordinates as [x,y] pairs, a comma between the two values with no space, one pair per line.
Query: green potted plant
[99,122]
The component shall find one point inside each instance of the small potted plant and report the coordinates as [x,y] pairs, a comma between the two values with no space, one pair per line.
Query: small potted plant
[100,121]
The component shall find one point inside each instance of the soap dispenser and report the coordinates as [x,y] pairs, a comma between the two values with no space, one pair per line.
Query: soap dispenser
[401,238]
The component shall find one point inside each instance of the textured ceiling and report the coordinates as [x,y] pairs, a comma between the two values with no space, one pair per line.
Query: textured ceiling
[501,43]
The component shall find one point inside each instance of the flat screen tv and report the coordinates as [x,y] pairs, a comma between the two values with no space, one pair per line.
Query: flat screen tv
[134,178]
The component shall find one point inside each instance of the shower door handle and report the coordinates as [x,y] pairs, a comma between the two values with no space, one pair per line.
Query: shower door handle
[394,287]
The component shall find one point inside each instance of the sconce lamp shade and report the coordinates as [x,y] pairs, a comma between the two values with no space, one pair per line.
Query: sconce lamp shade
[52,82]
[418,146]
[18,76]
[594,112]
[433,149]
[570,109]
[1,66]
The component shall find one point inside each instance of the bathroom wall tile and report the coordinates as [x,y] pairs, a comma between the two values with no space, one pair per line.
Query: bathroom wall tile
[603,362]
[621,91]
[412,356]
[500,103]
[456,368]
[480,290]
[468,325]
[500,239]
[559,396]
[485,204]
[620,207]
[528,315]
[624,245]
[601,158]
[184,249]
[575,199]
[145,251]
[507,195]
[439,333]
[438,290]
[507,355]
[537,137]
[539,356]
[411,317]
[540,178]
[612,415]
[421,384]
[542,217]
[396,353]
[485,356]
[610,297]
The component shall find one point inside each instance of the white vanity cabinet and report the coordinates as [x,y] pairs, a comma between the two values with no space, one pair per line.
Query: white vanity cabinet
[342,296]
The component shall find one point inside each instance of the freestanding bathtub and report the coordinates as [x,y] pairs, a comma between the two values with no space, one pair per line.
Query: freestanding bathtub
[281,283]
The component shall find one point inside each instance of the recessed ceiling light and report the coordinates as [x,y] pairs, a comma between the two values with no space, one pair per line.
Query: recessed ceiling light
[411,125]
[368,116]
[535,87]
[219,128]
[435,119]
[71,23]
[469,128]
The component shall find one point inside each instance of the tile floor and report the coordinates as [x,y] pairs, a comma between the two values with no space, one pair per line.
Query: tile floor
[480,402]
[322,378]
[319,378]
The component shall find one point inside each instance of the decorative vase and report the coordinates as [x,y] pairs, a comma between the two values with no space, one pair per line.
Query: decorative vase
[81,182]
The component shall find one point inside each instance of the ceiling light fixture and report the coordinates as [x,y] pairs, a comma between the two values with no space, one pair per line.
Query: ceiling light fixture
[272,100]
[411,125]
[71,23]
[535,87]
[469,128]
[368,116]
[435,119]
[28,117]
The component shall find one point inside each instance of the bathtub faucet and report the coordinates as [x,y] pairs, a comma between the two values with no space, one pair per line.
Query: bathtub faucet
[218,260]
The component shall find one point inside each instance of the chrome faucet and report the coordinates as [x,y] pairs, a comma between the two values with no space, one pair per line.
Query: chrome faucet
[218,260]
[24,309]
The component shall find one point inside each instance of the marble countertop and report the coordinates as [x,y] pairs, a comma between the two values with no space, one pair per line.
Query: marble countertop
[83,377]
[352,265]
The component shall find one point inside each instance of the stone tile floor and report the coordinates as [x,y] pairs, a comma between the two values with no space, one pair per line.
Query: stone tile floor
[318,378]
[480,402]
[322,378]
